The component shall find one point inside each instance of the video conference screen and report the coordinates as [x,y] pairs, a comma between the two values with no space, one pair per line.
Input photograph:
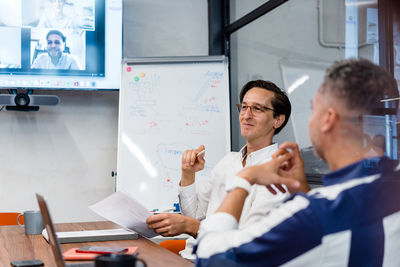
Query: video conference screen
[71,44]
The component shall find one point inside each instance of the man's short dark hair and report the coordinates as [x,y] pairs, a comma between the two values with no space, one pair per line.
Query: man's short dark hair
[280,103]
[62,36]
[361,85]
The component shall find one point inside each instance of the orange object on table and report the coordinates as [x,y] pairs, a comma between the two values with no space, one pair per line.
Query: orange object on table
[71,254]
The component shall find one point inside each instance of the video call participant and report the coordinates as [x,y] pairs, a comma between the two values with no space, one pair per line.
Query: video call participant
[354,220]
[264,110]
[56,58]
[57,18]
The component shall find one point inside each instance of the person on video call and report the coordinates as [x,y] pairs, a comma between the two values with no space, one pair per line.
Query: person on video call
[354,220]
[264,110]
[56,58]
[55,17]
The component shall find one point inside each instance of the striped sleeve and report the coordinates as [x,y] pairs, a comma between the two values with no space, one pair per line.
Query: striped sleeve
[284,234]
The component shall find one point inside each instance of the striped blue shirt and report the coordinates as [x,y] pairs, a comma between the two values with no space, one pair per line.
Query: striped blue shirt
[354,220]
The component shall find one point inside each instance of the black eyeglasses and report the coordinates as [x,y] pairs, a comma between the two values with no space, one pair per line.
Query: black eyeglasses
[255,109]
[57,42]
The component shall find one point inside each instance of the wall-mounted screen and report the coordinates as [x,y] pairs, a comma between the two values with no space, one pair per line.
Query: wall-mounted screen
[60,44]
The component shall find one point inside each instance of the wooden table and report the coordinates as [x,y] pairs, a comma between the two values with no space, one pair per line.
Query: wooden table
[15,245]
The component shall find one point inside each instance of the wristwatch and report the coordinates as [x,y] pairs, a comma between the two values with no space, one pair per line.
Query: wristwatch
[237,181]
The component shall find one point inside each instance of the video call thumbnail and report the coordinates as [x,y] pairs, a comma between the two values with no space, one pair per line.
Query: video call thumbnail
[61,14]
[68,46]
[10,48]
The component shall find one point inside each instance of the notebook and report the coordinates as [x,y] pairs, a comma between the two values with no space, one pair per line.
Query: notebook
[71,254]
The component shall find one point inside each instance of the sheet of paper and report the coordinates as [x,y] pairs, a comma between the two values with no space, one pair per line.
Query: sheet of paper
[125,211]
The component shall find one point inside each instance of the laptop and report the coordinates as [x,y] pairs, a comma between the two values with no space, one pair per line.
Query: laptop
[53,241]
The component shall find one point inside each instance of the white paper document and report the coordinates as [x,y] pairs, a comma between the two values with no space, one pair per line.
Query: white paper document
[125,211]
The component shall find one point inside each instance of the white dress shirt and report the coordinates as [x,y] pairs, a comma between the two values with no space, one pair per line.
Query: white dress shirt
[199,200]
[210,193]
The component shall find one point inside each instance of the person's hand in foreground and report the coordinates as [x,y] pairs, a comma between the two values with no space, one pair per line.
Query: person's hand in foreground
[293,168]
[264,174]
[286,167]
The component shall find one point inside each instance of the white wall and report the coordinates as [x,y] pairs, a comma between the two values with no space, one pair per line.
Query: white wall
[67,152]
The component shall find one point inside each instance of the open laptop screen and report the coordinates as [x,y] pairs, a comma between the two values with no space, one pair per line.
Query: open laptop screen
[55,245]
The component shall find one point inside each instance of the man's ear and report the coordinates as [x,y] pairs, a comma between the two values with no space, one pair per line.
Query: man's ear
[329,120]
[279,120]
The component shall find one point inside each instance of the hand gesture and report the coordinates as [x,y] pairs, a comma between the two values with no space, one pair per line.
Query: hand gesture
[294,167]
[269,173]
[192,163]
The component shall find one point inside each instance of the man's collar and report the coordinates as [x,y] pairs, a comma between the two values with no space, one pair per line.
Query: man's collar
[261,152]
[359,169]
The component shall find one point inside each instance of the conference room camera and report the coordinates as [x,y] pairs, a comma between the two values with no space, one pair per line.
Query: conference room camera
[27,102]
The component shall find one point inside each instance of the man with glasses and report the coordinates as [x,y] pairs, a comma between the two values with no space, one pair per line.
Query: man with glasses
[56,58]
[264,110]
[354,220]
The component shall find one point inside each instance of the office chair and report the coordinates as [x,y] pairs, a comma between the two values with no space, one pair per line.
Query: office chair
[174,245]
[10,218]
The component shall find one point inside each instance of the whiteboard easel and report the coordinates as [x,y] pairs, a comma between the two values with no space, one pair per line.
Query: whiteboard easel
[169,105]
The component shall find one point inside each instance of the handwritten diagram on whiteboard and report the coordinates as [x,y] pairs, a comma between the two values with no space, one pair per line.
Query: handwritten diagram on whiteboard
[166,107]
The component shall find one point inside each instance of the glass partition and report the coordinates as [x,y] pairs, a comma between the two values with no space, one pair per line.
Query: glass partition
[293,45]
